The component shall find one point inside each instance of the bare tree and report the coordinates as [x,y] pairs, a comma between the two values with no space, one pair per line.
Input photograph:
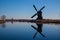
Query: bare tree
[3,17]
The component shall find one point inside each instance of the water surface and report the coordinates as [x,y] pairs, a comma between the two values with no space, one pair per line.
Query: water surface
[29,31]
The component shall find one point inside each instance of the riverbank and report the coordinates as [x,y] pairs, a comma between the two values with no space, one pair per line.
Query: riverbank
[29,20]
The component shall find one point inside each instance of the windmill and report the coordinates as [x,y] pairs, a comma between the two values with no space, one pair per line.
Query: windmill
[39,14]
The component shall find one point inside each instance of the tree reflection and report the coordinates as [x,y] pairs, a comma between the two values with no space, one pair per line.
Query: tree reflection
[3,25]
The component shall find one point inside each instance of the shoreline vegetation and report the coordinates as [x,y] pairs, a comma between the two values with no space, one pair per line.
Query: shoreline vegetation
[31,20]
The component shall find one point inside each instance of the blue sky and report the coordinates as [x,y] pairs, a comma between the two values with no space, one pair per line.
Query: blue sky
[23,9]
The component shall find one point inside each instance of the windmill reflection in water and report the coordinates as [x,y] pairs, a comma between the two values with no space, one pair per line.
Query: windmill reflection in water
[38,29]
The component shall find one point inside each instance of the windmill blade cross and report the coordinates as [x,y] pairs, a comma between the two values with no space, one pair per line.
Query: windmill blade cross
[36,10]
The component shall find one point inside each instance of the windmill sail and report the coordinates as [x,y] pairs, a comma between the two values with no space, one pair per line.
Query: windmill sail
[36,10]
[42,8]
[35,7]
